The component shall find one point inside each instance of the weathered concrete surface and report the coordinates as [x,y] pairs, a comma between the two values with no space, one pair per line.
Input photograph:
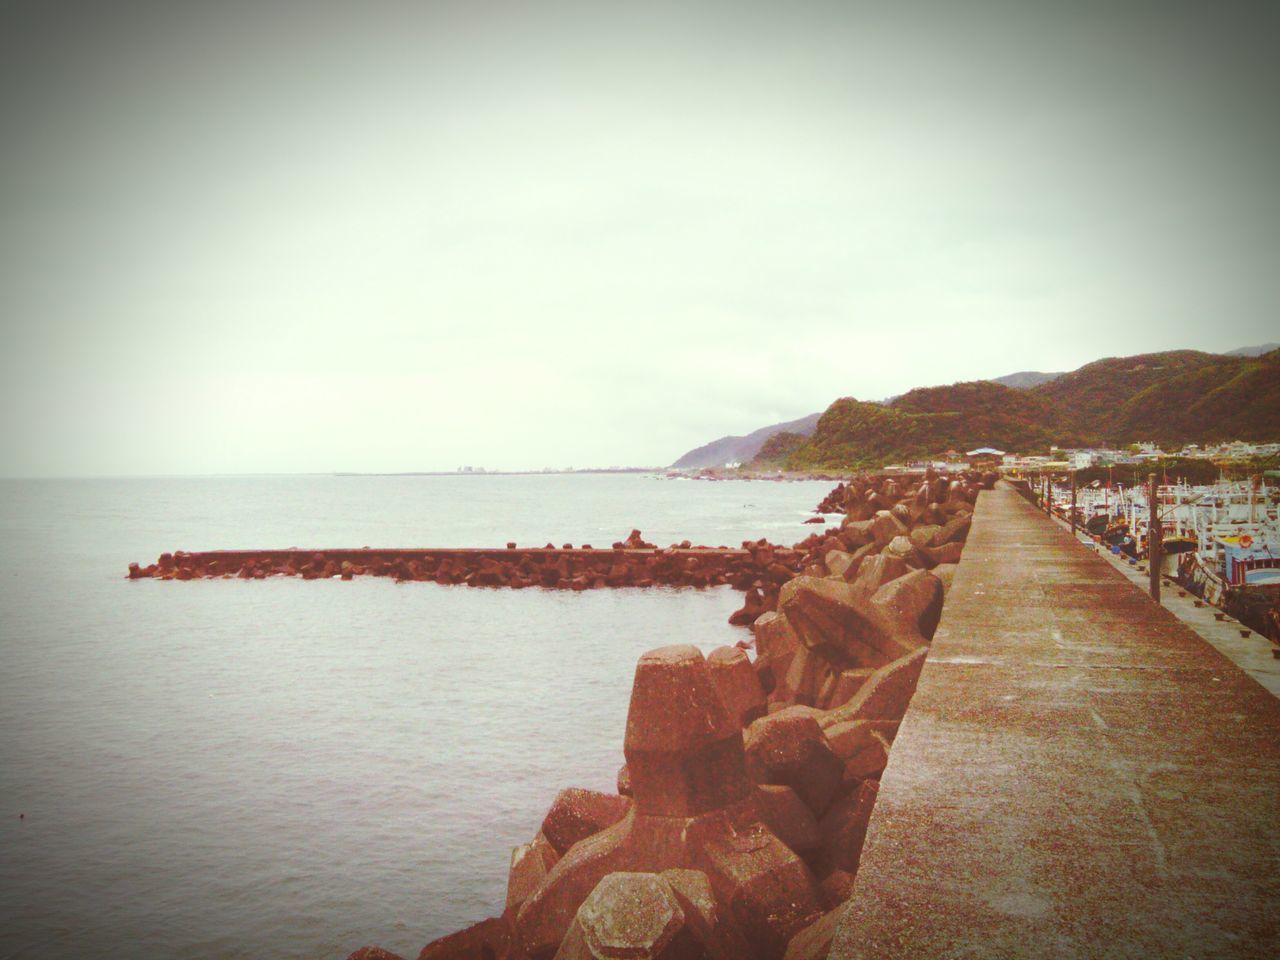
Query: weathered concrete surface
[1079,774]
[1252,653]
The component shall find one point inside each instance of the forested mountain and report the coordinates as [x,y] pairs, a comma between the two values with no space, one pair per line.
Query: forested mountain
[1171,398]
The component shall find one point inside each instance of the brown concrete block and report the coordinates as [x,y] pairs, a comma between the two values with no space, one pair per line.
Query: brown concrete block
[839,621]
[710,922]
[630,916]
[374,953]
[683,748]
[814,941]
[546,914]
[736,681]
[946,572]
[775,639]
[577,814]
[885,526]
[922,534]
[844,828]
[805,675]
[789,817]
[836,888]
[876,571]
[837,562]
[488,938]
[848,683]
[886,695]
[788,748]
[848,737]
[903,549]
[769,892]
[954,530]
[527,872]
[914,598]
[948,553]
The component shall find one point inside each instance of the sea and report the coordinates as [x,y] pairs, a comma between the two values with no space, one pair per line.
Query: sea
[289,768]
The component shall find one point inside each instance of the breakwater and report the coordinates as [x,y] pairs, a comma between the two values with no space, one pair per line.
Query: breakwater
[1079,775]
[625,564]
[747,784]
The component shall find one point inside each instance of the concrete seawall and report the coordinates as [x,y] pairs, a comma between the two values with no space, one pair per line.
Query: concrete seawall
[1078,775]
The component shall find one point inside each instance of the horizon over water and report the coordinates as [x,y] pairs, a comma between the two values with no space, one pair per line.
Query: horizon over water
[290,768]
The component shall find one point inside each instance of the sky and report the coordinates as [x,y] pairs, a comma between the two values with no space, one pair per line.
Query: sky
[301,237]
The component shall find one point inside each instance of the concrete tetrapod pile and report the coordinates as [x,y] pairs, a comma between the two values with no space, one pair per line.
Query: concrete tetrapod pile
[756,565]
[744,800]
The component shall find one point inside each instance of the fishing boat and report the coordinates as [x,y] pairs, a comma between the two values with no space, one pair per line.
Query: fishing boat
[1220,541]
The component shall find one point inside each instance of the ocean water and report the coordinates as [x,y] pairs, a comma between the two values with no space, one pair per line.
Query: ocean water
[291,768]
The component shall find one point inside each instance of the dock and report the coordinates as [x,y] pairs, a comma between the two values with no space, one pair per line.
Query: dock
[1079,774]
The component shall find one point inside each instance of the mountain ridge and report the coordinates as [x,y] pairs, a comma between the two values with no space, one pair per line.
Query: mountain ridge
[1194,410]
[1170,398]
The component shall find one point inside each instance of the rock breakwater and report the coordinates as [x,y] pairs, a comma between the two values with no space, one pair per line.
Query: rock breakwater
[625,564]
[748,784]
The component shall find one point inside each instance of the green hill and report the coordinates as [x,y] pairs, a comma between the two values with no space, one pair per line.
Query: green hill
[1173,398]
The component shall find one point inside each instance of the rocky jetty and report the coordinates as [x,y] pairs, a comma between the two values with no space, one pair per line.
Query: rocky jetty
[627,563]
[748,784]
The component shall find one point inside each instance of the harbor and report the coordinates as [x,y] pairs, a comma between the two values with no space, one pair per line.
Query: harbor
[1219,542]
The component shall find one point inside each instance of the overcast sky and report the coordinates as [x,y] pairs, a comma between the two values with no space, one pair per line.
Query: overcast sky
[292,237]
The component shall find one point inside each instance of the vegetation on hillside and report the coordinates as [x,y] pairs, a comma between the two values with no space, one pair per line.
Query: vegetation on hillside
[1172,398]
[779,447]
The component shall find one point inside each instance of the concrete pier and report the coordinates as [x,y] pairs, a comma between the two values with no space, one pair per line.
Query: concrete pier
[1078,775]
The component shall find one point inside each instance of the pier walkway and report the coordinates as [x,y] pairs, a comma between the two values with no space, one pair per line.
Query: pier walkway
[1078,775]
